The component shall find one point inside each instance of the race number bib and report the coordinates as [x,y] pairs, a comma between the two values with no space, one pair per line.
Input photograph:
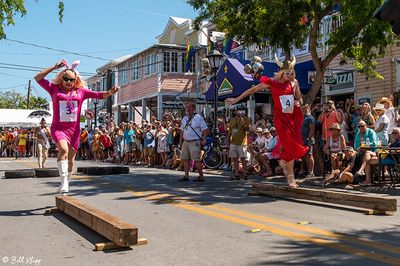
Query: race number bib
[68,111]
[287,103]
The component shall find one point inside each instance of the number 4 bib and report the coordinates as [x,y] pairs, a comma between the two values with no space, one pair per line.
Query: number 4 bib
[287,103]
[68,111]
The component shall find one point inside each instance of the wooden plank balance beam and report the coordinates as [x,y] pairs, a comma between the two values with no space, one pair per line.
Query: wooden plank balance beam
[121,233]
[378,204]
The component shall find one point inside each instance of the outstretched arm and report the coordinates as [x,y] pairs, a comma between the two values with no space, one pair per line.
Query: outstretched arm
[257,88]
[113,91]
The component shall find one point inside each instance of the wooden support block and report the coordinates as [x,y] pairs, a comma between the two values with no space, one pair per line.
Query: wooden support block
[105,246]
[50,211]
[367,201]
[111,245]
[114,229]
[377,212]
[142,241]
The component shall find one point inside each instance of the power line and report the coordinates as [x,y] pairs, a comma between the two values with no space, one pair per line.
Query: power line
[37,68]
[173,62]
[97,52]
[13,87]
[58,50]
[11,75]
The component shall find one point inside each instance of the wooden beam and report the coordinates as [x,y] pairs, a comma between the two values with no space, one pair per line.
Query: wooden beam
[366,201]
[119,232]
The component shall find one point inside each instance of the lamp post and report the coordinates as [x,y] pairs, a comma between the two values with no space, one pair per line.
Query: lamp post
[95,102]
[216,59]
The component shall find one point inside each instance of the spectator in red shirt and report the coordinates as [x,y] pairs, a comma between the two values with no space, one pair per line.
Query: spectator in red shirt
[106,144]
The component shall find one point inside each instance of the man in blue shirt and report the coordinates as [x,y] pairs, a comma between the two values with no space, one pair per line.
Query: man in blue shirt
[364,136]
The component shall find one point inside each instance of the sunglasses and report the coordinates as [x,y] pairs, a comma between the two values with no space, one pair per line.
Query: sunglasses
[66,79]
[288,73]
[360,126]
[397,133]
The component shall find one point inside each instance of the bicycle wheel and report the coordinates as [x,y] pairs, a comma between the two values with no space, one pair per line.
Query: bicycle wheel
[212,158]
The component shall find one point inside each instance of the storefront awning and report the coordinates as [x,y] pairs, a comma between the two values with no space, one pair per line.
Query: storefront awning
[231,82]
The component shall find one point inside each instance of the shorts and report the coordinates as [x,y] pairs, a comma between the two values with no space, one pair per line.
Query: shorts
[108,149]
[129,147]
[149,151]
[358,178]
[310,144]
[191,150]
[237,151]
[85,145]
[21,148]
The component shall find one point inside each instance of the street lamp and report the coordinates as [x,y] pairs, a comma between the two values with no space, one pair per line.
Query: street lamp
[95,102]
[216,59]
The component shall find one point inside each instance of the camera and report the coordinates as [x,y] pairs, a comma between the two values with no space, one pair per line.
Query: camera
[341,156]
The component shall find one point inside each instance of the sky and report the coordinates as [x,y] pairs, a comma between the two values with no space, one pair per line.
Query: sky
[99,28]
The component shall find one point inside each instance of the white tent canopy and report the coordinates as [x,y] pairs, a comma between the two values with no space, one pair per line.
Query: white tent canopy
[19,118]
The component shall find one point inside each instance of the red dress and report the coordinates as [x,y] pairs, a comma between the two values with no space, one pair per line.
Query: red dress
[288,119]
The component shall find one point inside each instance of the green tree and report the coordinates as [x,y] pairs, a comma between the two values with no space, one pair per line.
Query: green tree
[15,100]
[359,37]
[10,8]
[38,103]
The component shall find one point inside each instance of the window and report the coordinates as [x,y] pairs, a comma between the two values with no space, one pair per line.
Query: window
[192,63]
[150,64]
[154,63]
[170,62]
[123,76]
[167,62]
[174,62]
[136,70]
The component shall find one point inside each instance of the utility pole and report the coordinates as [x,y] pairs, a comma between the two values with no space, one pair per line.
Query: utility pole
[109,86]
[29,94]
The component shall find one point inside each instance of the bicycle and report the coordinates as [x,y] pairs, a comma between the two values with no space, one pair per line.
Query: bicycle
[213,157]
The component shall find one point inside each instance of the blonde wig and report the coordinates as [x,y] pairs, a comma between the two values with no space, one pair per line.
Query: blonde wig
[79,82]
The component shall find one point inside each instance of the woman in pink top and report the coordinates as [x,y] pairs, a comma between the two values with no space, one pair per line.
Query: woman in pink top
[67,94]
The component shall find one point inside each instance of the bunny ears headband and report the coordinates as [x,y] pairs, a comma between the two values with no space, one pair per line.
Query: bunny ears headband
[73,65]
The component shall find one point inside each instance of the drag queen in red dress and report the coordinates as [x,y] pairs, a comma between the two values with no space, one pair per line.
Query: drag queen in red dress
[288,117]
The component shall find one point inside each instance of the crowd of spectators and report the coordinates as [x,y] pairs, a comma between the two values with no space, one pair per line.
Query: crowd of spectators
[335,132]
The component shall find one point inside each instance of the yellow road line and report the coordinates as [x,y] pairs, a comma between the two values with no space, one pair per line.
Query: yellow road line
[363,241]
[292,235]
[330,243]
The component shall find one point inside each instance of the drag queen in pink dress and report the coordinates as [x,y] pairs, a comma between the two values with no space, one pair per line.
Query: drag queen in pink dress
[67,94]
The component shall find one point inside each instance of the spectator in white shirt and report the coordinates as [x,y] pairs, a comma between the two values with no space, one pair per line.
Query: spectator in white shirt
[194,132]
[381,124]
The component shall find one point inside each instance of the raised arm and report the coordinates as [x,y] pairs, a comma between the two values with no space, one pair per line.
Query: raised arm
[42,74]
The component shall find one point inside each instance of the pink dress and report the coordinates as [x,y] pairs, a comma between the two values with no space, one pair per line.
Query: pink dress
[66,111]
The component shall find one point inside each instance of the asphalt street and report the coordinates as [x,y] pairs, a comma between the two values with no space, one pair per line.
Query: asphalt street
[186,223]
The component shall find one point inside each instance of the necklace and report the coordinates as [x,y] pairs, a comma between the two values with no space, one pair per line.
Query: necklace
[70,103]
